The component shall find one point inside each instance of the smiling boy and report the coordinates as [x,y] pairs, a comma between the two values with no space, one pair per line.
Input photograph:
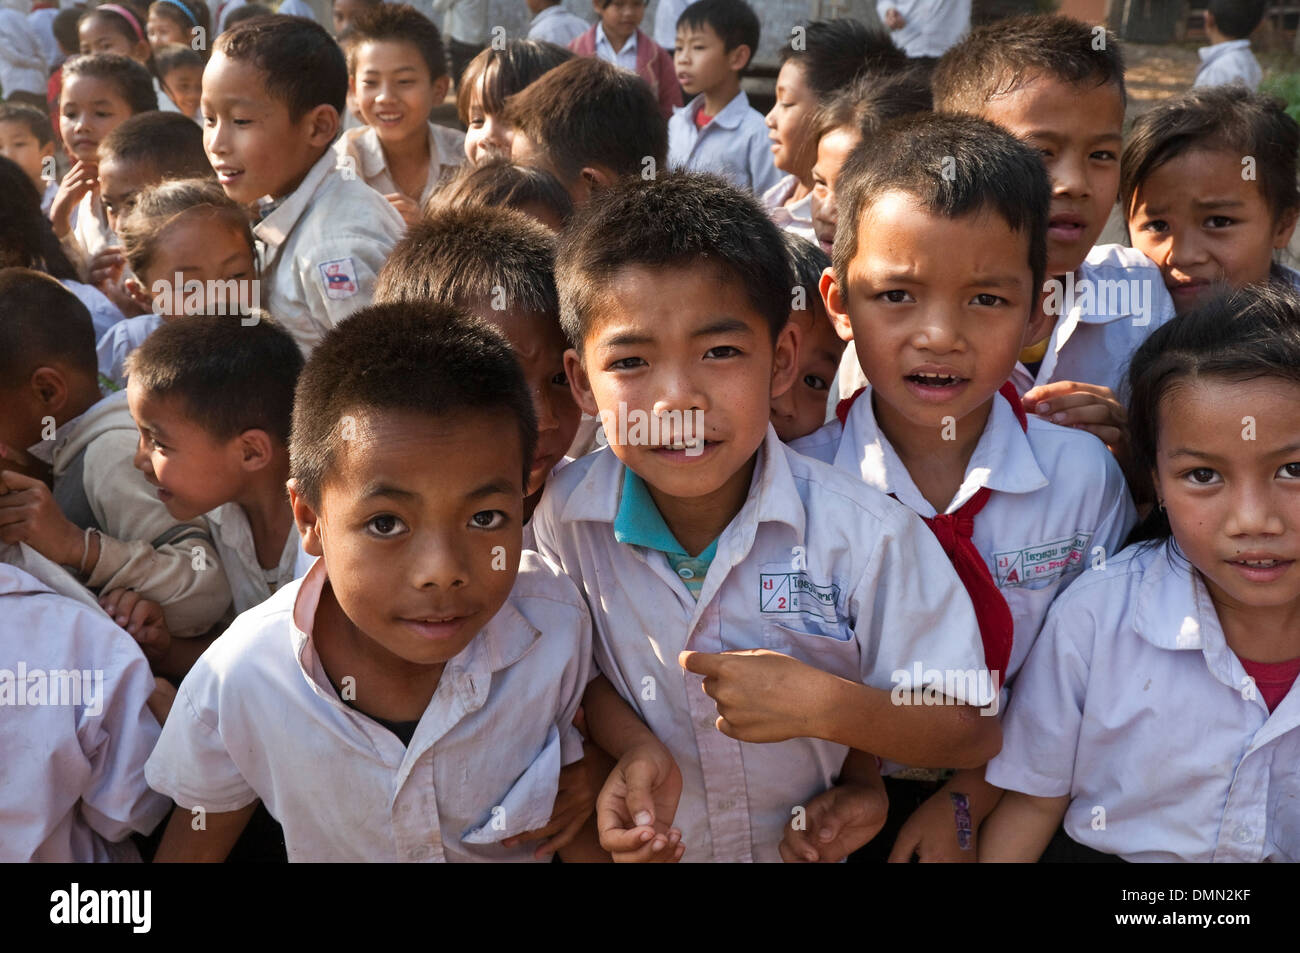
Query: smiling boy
[712,537]
[272,96]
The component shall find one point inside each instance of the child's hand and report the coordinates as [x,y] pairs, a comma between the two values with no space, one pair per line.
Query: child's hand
[29,514]
[637,805]
[106,270]
[406,208]
[835,823]
[761,695]
[143,618]
[580,782]
[1087,407]
[931,835]
[81,178]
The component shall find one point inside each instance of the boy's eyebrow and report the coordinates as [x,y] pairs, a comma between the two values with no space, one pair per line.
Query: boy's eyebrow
[909,276]
[725,325]
[1218,203]
[380,488]
[500,486]
[400,69]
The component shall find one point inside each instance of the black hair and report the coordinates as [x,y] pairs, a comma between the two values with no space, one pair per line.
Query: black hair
[173,56]
[586,112]
[870,101]
[679,218]
[303,66]
[807,262]
[132,29]
[37,122]
[953,166]
[398,23]
[187,14]
[230,376]
[468,257]
[65,25]
[998,58]
[134,83]
[1236,19]
[832,53]
[506,71]
[168,142]
[498,182]
[1228,118]
[734,21]
[41,321]
[249,11]
[423,357]
[27,239]
[1234,335]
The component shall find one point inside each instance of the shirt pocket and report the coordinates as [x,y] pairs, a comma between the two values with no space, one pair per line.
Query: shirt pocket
[1285,833]
[830,647]
[529,802]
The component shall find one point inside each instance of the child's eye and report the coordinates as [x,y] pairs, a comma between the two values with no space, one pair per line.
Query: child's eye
[894,296]
[1218,221]
[722,350]
[1155,225]
[1202,476]
[815,382]
[626,364]
[987,300]
[1104,155]
[385,525]
[488,519]
[1289,471]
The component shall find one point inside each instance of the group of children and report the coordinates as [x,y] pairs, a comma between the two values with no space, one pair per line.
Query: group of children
[515,495]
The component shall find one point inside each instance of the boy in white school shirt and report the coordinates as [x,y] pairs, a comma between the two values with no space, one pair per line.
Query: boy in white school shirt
[697,532]
[1228,58]
[552,23]
[272,95]
[426,671]
[717,130]
[398,72]
[935,267]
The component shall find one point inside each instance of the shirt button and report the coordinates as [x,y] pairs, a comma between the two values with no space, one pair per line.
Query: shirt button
[1243,834]
[686,572]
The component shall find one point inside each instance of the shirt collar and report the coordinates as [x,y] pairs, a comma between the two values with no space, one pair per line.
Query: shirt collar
[279,216]
[729,116]
[628,47]
[1003,459]
[1207,53]
[1086,298]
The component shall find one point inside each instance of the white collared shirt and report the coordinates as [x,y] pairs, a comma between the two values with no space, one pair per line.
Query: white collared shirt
[557,25]
[795,217]
[258,718]
[667,13]
[1114,303]
[362,146]
[250,584]
[74,787]
[1228,62]
[625,57]
[464,20]
[117,343]
[1133,702]
[1059,501]
[321,249]
[815,565]
[930,27]
[733,145]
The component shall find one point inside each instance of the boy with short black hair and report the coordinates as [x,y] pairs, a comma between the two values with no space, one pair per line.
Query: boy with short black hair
[802,409]
[27,137]
[325,233]
[398,74]
[718,131]
[1229,24]
[589,124]
[1058,84]
[939,253]
[180,74]
[101,521]
[423,637]
[498,265]
[699,532]
[212,396]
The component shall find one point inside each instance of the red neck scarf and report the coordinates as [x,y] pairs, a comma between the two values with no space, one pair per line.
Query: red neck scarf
[954,531]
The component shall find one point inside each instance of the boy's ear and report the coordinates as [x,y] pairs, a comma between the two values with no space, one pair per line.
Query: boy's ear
[1040,323]
[738,58]
[306,519]
[594,178]
[580,383]
[1285,228]
[836,305]
[255,449]
[49,385]
[440,86]
[322,125]
[785,359]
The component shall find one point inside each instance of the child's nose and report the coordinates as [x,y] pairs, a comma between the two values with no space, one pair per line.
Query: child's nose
[439,564]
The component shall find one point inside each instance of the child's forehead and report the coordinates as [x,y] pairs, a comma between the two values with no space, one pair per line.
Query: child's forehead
[901,214]
[655,301]
[387,53]
[83,87]
[1036,100]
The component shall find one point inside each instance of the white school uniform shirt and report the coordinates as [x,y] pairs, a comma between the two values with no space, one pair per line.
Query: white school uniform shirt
[666,16]
[104,315]
[117,343]
[73,785]
[250,584]
[464,20]
[47,197]
[1098,330]
[625,58]
[362,146]
[795,217]
[931,26]
[1133,701]
[733,145]
[557,25]
[815,565]
[1228,62]
[23,67]
[483,765]
[1058,494]
[321,248]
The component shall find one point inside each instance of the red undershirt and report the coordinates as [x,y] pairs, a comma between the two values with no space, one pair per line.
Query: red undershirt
[702,120]
[1273,679]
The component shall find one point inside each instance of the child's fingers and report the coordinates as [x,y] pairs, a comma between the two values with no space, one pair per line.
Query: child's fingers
[141,615]
[907,844]
[562,839]
[126,604]
[795,848]
[624,841]
[1110,436]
